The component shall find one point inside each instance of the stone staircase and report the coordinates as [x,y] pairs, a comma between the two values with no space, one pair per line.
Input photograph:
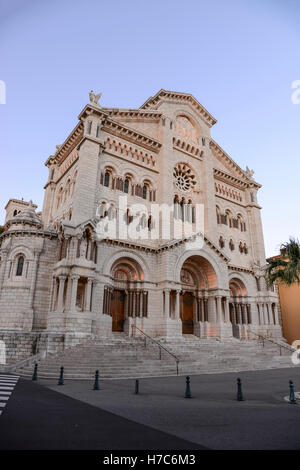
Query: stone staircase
[124,357]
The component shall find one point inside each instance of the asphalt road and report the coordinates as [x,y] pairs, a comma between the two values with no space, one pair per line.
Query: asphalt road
[37,418]
[46,416]
[213,417]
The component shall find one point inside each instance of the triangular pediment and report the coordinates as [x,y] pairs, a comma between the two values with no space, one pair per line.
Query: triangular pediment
[155,101]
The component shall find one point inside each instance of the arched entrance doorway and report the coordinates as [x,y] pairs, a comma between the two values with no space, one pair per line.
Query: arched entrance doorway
[239,307]
[126,297]
[197,278]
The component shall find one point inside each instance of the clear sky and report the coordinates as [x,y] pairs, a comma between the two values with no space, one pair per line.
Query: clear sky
[238,58]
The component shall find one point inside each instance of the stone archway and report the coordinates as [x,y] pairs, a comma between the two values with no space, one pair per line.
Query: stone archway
[239,307]
[198,302]
[125,298]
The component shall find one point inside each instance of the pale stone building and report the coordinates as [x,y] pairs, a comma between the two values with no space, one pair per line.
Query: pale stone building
[58,279]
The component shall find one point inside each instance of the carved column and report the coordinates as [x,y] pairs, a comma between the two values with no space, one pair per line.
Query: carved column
[177,305]
[205,308]
[61,293]
[88,294]
[74,292]
[219,309]
[227,313]
[249,312]
[134,303]
[276,313]
[54,293]
[270,313]
[238,313]
[244,313]
[211,307]
[167,303]
[141,303]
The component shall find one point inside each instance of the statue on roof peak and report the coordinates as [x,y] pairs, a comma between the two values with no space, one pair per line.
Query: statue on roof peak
[249,172]
[94,98]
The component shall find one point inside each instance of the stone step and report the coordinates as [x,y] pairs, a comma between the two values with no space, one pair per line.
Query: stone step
[123,357]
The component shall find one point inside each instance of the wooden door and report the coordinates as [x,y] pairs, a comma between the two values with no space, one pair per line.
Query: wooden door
[187,313]
[117,310]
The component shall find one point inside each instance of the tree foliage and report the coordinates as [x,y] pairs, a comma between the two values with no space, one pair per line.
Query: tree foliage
[285,269]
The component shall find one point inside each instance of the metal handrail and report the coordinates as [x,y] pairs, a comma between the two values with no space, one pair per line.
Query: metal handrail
[280,345]
[159,345]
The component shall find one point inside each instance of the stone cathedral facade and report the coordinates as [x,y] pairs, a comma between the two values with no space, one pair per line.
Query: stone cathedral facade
[59,279]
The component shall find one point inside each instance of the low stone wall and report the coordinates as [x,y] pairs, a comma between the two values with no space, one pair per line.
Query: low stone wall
[21,345]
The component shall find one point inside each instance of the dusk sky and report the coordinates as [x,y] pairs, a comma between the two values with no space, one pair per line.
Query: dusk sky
[238,58]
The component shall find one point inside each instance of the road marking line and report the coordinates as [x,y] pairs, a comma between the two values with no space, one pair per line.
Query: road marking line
[9,380]
[7,386]
[10,376]
[4,377]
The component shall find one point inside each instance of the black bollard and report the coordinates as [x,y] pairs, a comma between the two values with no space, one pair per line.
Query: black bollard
[292,398]
[136,391]
[61,376]
[239,390]
[35,377]
[187,388]
[96,383]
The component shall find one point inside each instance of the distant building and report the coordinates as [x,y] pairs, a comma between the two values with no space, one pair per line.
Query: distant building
[58,279]
[289,300]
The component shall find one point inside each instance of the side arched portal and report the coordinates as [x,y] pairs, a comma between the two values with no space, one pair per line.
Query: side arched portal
[125,296]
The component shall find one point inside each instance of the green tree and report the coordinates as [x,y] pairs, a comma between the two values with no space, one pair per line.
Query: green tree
[1,229]
[285,269]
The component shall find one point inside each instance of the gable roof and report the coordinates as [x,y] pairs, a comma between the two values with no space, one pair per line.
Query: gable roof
[162,95]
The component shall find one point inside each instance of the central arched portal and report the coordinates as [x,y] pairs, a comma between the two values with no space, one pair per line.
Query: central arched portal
[197,277]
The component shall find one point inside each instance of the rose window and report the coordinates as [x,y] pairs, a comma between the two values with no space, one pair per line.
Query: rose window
[184,178]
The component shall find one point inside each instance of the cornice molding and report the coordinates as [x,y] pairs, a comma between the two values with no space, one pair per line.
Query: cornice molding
[167,246]
[69,144]
[153,101]
[152,115]
[131,135]
[23,232]
[240,269]
[230,179]
[241,174]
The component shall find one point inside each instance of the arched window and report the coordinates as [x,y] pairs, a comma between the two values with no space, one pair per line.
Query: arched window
[144,192]
[106,179]
[126,185]
[20,266]
[15,212]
